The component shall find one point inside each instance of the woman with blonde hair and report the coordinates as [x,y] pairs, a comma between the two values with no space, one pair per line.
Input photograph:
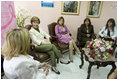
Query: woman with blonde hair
[63,34]
[17,63]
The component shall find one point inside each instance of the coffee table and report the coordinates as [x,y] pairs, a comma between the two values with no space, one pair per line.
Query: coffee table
[96,61]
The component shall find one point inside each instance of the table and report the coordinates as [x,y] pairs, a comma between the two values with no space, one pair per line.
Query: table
[96,61]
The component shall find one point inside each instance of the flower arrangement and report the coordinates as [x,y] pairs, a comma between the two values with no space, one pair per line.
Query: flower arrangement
[21,15]
[100,48]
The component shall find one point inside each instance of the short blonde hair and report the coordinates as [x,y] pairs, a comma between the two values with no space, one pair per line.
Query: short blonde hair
[17,42]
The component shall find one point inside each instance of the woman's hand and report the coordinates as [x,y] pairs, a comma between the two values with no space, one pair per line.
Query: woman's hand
[88,35]
[46,71]
[45,65]
[45,68]
[65,35]
[106,37]
[46,41]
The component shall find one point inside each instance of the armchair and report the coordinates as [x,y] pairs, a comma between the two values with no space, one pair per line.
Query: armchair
[37,56]
[54,40]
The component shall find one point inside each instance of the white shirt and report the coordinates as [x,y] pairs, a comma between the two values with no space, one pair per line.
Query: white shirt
[103,32]
[37,37]
[24,67]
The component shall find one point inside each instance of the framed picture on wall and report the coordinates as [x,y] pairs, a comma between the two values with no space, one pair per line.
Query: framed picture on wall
[70,7]
[94,9]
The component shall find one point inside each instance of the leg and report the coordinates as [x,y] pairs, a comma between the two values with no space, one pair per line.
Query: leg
[53,62]
[52,56]
[43,48]
[56,51]
[76,48]
[97,66]
[47,48]
[87,42]
[111,43]
[58,54]
[89,70]
[113,68]
[70,51]
[82,61]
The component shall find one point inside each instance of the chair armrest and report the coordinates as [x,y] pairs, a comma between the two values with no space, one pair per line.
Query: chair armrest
[94,36]
[53,38]
[70,34]
[32,47]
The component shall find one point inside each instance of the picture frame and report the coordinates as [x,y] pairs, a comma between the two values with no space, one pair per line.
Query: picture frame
[70,7]
[94,9]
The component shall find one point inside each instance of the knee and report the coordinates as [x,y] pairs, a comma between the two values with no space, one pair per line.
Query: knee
[53,45]
[51,53]
[110,42]
[70,42]
[87,42]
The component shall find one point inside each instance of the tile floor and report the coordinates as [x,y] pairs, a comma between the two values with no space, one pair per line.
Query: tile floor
[72,70]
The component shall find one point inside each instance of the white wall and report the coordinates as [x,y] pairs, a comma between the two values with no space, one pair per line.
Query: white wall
[48,15]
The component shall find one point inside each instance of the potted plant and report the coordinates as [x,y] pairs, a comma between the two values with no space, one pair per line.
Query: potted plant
[21,15]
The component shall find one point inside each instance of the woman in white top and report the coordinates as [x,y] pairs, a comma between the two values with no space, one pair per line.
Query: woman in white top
[42,43]
[17,63]
[109,32]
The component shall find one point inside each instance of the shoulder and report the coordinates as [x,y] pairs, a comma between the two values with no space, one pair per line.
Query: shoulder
[103,28]
[31,30]
[82,25]
[16,61]
[91,26]
[57,25]
[65,26]
[40,29]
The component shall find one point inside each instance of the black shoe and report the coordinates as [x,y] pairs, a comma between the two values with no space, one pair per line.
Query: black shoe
[65,63]
[55,71]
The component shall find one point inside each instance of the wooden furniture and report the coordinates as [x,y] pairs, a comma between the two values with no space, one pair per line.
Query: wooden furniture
[54,40]
[100,63]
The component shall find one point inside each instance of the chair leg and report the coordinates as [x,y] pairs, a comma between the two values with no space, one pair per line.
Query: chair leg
[57,60]
[74,51]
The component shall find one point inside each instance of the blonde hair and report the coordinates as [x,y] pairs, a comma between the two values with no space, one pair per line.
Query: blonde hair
[17,42]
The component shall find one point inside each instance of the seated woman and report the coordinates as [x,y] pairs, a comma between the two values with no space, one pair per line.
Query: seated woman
[109,32]
[62,32]
[42,43]
[87,32]
[17,63]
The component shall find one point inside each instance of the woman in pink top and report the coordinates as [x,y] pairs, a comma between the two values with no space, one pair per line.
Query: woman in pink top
[63,34]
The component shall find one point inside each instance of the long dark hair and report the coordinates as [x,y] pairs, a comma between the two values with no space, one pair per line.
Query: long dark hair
[113,23]
[86,20]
